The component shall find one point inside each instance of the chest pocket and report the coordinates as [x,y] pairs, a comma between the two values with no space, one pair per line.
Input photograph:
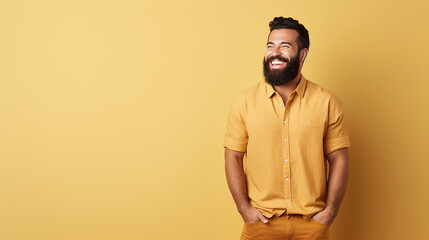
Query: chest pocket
[310,131]
[316,123]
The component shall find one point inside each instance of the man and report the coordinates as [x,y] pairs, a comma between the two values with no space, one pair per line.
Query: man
[289,129]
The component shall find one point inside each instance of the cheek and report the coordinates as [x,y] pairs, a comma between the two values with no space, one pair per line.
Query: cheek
[268,52]
[267,55]
[287,53]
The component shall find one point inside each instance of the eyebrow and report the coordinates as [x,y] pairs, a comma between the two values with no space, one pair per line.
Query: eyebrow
[280,43]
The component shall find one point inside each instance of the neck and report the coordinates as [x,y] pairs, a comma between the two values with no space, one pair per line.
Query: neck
[285,89]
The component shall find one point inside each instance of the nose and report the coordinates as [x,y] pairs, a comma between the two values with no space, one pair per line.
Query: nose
[276,52]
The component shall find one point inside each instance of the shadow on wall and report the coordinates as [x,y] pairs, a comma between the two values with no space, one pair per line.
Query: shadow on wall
[370,197]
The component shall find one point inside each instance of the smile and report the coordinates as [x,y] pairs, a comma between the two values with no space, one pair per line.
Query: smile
[277,63]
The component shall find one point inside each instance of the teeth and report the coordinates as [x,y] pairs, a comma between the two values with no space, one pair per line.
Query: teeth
[276,63]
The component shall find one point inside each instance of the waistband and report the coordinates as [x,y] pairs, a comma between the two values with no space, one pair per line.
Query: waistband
[305,217]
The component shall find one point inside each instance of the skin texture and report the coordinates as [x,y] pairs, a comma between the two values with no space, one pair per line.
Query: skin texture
[282,42]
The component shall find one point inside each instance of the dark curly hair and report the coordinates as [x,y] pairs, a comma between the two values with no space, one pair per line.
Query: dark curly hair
[290,23]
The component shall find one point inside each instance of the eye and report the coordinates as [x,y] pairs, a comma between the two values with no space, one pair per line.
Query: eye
[270,46]
[285,46]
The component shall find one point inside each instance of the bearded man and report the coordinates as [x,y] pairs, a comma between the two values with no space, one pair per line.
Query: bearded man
[281,136]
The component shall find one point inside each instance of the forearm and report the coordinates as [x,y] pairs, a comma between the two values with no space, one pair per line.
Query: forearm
[236,178]
[338,177]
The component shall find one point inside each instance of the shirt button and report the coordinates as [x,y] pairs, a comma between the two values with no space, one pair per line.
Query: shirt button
[287,200]
[284,122]
[281,104]
[285,140]
[287,179]
[286,160]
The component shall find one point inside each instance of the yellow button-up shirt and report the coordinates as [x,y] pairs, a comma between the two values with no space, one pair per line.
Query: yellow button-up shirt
[286,144]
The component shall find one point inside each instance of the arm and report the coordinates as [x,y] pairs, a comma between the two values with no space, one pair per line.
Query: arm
[238,186]
[337,183]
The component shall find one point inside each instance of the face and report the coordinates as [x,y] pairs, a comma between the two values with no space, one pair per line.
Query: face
[282,61]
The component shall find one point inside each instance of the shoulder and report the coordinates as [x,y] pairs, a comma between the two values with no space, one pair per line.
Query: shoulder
[314,90]
[251,92]
[247,97]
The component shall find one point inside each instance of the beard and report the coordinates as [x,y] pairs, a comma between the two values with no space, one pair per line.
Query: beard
[278,77]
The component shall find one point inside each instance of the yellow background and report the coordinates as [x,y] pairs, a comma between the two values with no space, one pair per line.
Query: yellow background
[112,113]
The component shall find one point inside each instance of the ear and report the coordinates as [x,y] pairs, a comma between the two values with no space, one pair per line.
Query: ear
[303,55]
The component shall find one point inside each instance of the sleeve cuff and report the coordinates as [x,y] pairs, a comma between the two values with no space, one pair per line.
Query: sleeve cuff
[336,144]
[235,145]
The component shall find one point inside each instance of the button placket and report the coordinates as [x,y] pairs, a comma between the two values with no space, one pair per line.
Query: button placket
[278,105]
[285,154]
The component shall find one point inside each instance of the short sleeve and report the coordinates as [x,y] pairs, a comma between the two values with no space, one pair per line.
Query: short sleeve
[337,135]
[236,132]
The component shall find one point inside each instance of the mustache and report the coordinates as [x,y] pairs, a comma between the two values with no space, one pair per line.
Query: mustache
[279,58]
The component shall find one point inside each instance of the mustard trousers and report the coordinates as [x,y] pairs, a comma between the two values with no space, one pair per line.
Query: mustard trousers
[286,227]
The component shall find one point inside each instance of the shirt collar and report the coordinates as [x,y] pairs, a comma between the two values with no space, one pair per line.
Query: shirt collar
[300,89]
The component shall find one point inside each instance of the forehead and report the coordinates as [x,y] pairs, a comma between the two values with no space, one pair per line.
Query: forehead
[283,35]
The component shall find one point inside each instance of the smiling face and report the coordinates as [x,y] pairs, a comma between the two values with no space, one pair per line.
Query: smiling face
[281,44]
[282,61]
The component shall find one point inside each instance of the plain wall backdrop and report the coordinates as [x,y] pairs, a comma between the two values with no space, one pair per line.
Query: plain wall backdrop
[112,113]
